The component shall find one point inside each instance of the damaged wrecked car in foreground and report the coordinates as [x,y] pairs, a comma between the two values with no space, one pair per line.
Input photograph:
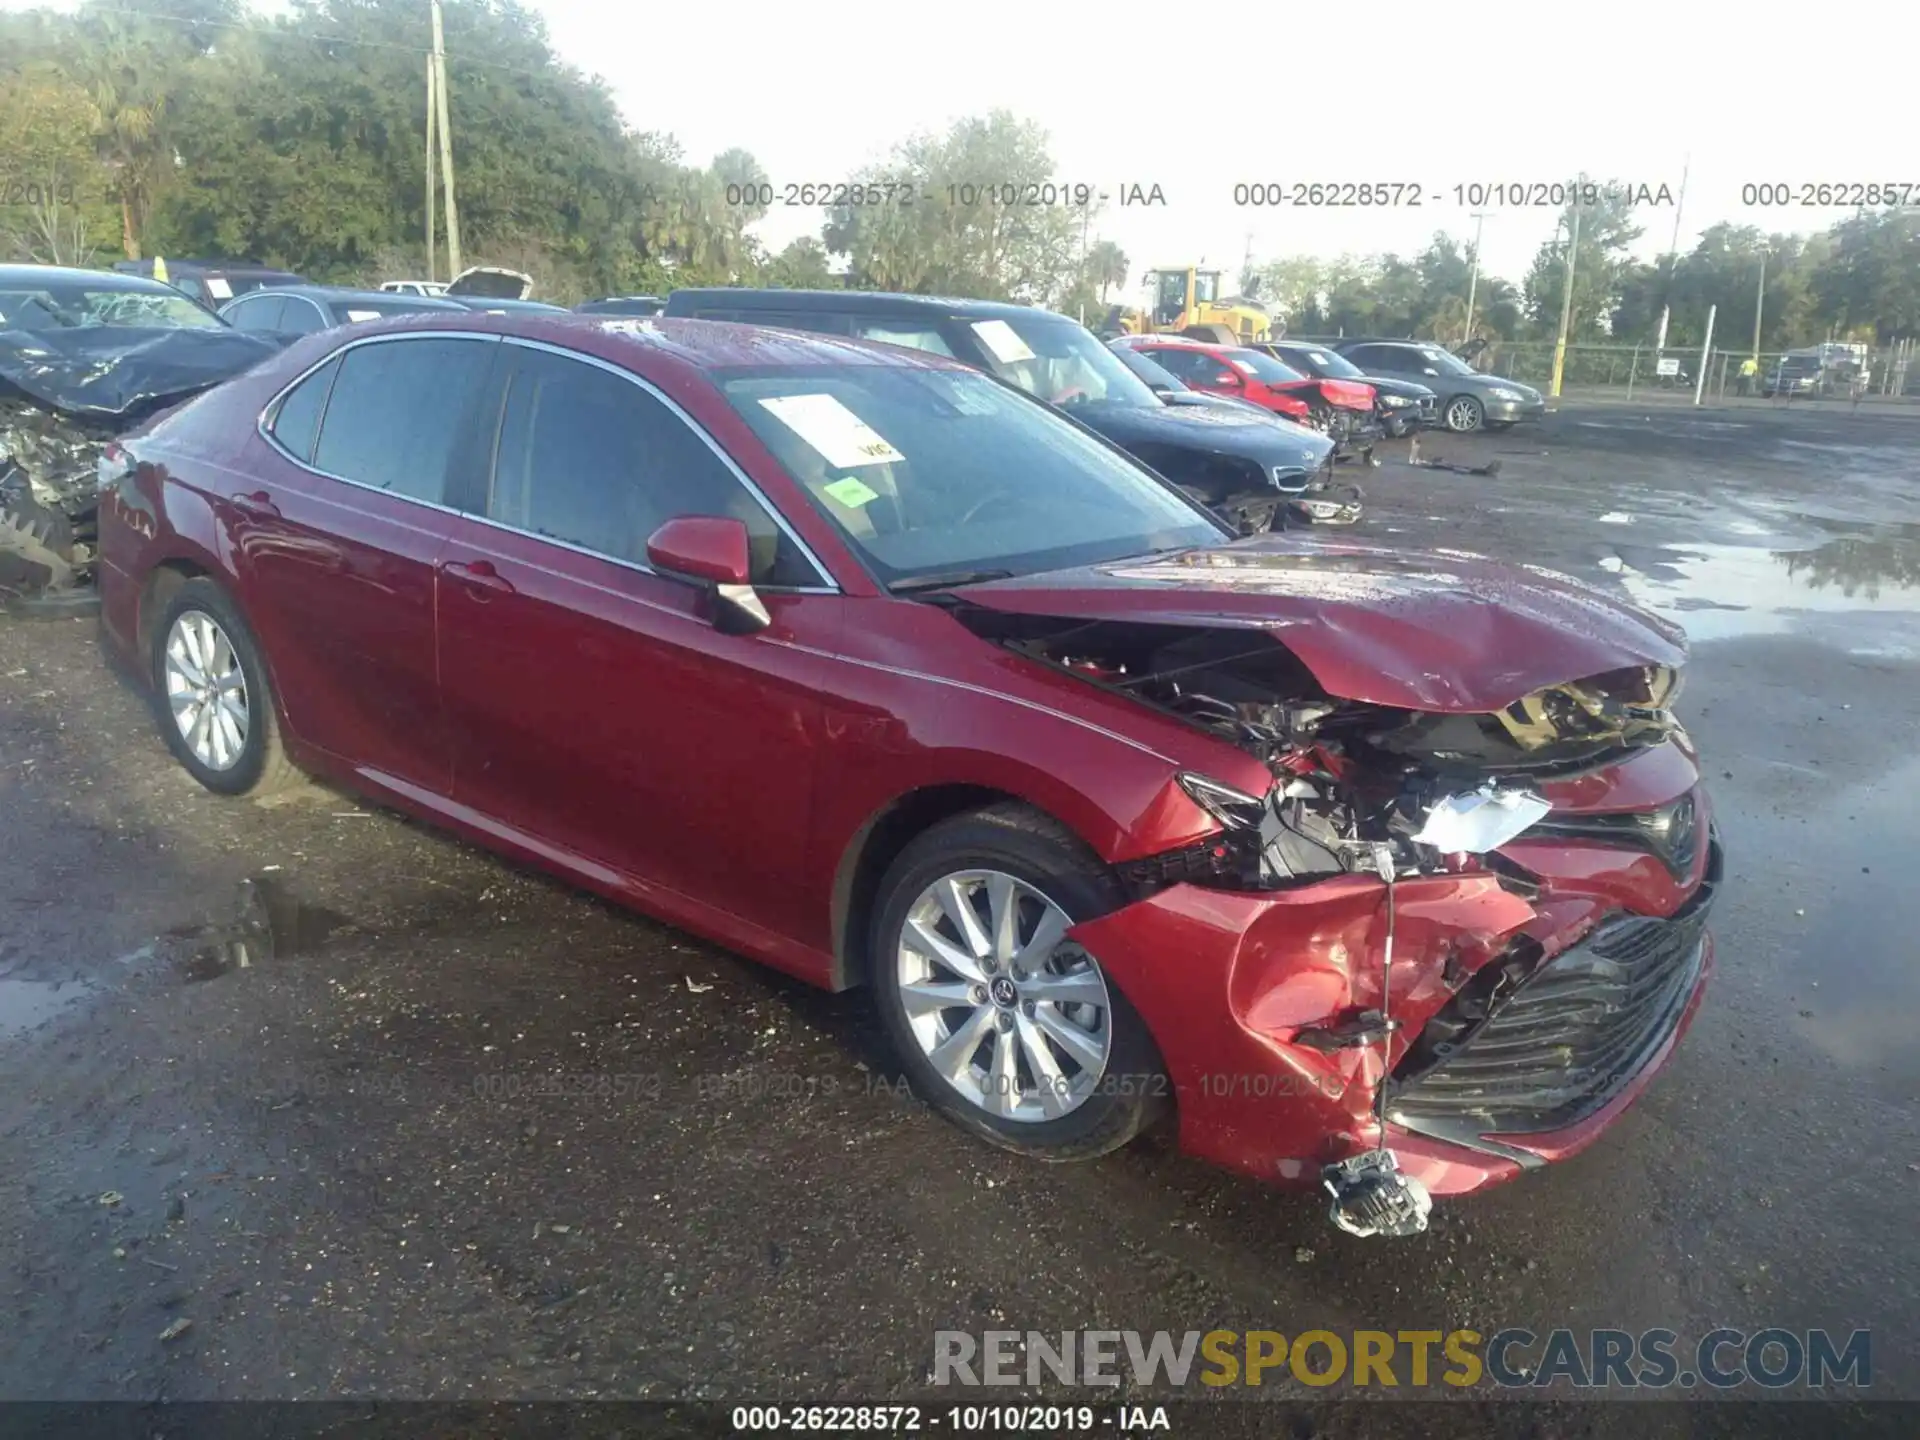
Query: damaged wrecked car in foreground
[84,354]
[1369,870]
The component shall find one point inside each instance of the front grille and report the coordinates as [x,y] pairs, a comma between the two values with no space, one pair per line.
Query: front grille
[1671,832]
[1567,1039]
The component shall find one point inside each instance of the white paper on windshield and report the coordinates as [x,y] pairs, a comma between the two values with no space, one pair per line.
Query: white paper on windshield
[363,314]
[218,288]
[841,437]
[1003,340]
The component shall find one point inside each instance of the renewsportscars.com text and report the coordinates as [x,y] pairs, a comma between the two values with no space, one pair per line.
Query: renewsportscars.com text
[1771,1358]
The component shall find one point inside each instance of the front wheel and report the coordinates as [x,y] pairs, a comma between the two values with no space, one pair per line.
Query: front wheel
[1004,1025]
[210,688]
[1464,413]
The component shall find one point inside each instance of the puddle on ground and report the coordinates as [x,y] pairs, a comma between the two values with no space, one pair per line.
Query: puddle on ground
[26,1003]
[1722,591]
[268,924]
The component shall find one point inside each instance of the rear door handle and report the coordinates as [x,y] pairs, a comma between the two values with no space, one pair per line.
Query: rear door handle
[257,502]
[478,575]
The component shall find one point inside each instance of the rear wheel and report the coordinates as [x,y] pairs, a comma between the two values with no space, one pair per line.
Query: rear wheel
[211,691]
[1464,413]
[1007,1027]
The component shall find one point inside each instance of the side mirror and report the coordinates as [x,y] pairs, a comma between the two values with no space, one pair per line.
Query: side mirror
[713,551]
[1229,379]
[1429,370]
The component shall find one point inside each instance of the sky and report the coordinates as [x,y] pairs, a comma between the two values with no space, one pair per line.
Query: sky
[1419,97]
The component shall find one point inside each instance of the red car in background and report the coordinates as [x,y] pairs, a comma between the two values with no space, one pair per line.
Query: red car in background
[1377,870]
[1343,409]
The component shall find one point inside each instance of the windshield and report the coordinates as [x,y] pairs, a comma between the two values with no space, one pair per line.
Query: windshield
[1057,360]
[1338,366]
[61,307]
[934,472]
[1445,362]
[1148,370]
[1262,367]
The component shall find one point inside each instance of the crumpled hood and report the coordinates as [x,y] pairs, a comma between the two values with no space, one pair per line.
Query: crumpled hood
[114,372]
[1439,630]
[1265,439]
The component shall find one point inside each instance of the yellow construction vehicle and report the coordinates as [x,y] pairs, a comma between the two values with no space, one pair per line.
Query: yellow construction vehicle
[1189,302]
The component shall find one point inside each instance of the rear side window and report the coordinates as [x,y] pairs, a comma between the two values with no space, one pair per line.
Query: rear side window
[396,410]
[297,420]
[302,317]
[593,460]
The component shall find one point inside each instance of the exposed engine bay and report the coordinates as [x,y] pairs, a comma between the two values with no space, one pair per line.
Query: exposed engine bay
[1348,777]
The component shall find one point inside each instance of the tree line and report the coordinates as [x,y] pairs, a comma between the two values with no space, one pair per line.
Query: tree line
[299,140]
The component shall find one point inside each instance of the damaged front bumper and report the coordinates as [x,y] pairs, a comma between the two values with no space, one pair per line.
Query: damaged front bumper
[1531,1004]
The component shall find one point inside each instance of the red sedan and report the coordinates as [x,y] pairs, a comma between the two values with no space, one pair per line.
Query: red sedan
[1373,869]
[1343,409]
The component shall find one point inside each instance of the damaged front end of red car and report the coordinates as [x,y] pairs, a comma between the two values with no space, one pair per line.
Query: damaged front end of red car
[1463,925]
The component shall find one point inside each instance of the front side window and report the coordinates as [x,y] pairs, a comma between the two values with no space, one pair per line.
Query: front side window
[929,472]
[302,317]
[591,459]
[260,313]
[396,410]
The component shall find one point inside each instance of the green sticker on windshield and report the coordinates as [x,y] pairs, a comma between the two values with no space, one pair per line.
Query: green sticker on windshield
[852,492]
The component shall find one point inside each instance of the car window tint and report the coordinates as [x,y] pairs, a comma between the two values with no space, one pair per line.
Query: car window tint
[396,410]
[590,458]
[303,317]
[915,337]
[298,419]
[260,313]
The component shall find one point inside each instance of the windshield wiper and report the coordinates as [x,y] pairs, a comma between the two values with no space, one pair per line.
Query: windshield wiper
[945,580]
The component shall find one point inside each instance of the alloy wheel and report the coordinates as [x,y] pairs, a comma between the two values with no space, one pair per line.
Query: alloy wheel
[1011,1014]
[1463,414]
[207,690]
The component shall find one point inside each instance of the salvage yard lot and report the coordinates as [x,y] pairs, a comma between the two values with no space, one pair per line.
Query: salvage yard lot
[381,1115]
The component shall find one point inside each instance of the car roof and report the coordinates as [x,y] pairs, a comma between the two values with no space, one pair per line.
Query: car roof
[73,275]
[857,302]
[342,292]
[692,345]
[224,267]
[1178,342]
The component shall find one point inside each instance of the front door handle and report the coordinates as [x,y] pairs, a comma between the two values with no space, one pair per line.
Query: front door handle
[257,502]
[478,575]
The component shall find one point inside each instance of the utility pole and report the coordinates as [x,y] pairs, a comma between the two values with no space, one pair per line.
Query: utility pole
[446,141]
[432,182]
[1473,279]
[1759,303]
[1566,303]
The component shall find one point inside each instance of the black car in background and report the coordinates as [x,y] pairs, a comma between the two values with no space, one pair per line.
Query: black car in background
[1401,406]
[212,282]
[284,313]
[1257,471]
[621,305]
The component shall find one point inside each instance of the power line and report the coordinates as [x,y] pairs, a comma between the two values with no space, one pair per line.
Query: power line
[289,31]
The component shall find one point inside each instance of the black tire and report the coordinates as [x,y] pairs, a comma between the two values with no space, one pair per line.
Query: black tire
[1016,840]
[262,767]
[1463,414]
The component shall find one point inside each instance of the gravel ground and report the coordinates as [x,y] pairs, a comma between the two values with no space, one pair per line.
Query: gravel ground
[381,1116]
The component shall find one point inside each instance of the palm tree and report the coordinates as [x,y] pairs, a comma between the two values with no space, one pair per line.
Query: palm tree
[128,133]
[1107,266]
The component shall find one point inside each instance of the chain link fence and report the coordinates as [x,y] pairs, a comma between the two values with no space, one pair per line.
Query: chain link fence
[1892,372]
